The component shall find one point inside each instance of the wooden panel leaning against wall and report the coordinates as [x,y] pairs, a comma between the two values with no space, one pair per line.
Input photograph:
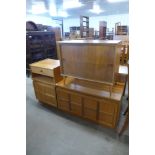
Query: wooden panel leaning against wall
[95,60]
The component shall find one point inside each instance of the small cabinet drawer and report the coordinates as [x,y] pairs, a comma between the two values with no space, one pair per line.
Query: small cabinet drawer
[62,95]
[107,107]
[108,113]
[90,108]
[42,71]
[75,99]
[90,103]
[76,104]
[44,88]
[106,119]
[76,109]
[90,114]
[64,105]
[45,93]
[48,99]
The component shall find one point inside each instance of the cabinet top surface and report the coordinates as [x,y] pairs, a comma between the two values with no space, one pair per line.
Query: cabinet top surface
[91,88]
[95,42]
[47,63]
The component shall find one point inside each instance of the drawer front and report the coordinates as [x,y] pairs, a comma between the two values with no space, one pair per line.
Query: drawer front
[44,88]
[90,114]
[42,71]
[106,119]
[62,95]
[90,103]
[76,109]
[90,108]
[64,105]
[107,107]
[76,103]
[108,113]
[76,99]
[48,99]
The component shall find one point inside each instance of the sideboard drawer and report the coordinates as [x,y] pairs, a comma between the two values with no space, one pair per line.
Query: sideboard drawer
[42,71]
[44,88]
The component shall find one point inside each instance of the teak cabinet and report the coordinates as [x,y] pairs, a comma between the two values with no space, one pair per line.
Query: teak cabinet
[91,101]
[94,60]
[91,86]
[45,74]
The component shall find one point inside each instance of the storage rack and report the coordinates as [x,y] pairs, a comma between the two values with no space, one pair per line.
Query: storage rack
[102,29]
[84,26]
[110,34]
[74,32]
[74,28]
[121,29]
[39,45]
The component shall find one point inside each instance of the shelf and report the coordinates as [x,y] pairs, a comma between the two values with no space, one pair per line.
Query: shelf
[84,24]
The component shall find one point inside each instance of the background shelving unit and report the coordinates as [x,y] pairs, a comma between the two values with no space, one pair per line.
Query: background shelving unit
[102,29]
[84,26]
[40,45]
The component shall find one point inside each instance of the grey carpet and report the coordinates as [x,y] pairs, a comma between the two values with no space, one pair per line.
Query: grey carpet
[52,132]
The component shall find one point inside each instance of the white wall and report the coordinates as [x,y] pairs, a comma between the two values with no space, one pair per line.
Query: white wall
[94,21]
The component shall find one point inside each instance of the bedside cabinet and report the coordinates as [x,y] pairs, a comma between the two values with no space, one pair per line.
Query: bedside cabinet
[45,75]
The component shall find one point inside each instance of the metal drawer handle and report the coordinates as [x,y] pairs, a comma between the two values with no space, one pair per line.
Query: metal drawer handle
[41,70]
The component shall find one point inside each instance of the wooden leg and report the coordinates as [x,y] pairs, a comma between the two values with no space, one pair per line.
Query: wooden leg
[124,89]
[126,111]
[125,125]
[64,80]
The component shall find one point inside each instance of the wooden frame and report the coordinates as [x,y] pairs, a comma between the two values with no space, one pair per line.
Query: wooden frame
[94,60]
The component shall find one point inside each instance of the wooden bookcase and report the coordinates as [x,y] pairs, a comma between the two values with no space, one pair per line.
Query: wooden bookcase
[122,30]
[84,26]
[102,29]
[40,45]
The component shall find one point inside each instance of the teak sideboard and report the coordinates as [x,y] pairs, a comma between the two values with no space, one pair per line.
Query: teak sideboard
[90,86]
[90,100]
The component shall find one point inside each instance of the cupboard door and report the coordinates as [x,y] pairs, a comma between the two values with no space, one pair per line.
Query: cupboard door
[62,95]
[44,88]
[107,113]
[90,108]
[45,93]
[76,104]
[64,105]
[63,99]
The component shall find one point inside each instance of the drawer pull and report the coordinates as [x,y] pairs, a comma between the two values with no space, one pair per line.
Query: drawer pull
[41,70]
